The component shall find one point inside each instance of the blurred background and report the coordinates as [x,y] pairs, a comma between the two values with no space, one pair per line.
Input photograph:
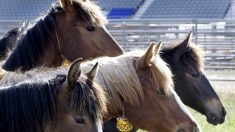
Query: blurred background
[135,23]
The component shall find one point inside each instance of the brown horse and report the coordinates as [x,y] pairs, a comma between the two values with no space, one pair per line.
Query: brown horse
[139,85]
[53,103]
[186,62]
[71,29]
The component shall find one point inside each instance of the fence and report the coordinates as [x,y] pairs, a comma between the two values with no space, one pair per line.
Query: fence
[215,37]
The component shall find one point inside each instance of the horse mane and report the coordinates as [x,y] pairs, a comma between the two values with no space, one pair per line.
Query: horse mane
[39,109]
[117,75]
[193,56]
[89,12]
[41,93]
[4,43]
[32,45]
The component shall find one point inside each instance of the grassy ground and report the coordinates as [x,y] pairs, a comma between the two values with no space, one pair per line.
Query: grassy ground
[226,92]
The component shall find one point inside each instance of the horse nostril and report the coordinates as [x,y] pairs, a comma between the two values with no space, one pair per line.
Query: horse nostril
[224,111]
[213,118]
[181,130]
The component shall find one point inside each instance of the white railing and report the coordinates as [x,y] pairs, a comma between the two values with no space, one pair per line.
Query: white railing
[215,37]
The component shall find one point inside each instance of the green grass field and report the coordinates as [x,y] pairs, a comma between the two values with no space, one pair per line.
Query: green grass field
[228,99]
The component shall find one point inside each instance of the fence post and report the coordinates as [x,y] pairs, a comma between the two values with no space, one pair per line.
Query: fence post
[195,33]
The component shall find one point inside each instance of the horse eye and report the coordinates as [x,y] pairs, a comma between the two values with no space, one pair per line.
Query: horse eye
[160,92]
[79,120]
[90,28]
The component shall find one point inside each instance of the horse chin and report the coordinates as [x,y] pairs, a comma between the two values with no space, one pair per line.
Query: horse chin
[214,120]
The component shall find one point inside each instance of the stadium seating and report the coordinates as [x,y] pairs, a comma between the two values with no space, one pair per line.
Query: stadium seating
[120,8]
[117,13]
[188,9]
[23,9]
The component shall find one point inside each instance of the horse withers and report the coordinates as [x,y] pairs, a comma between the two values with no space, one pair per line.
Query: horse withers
[53,103]
[71,29]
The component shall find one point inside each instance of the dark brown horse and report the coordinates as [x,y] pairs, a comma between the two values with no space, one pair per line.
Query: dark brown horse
[71,29]
[192,86]
[53,103]
[9,40]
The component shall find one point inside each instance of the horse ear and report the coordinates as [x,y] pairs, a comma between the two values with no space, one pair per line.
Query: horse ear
[91,75]
[158,47]
[150,52]
[74,73]
[184,45]
[67,5]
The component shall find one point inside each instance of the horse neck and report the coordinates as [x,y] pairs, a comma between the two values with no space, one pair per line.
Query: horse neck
[118,83]
[52,56]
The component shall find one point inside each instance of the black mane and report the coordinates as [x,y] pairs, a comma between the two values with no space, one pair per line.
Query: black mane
[5,44]
[32,104]
[31,46]
[28,106]
[192,57]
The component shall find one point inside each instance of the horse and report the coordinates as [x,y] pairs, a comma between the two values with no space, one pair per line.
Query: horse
[53,103]
[191,84]
[71,29]
[9,40]
[185,60]
[139,86]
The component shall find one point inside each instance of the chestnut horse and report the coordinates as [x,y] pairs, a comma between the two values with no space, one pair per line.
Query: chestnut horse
[53,103]
[139,85]
[71,29]
[186,62]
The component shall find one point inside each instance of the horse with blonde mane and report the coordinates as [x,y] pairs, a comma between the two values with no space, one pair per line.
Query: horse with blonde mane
[139,86]
[186,62]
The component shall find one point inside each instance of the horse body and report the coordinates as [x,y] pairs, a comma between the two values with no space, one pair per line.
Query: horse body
[53,104]
[62,34]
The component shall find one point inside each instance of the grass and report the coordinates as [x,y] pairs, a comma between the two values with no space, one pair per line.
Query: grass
[228,100]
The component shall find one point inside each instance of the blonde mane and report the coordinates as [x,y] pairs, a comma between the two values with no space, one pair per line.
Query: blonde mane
[118,77]
[90,12]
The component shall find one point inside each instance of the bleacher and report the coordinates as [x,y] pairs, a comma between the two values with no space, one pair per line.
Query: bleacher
[23,9]
[120,8]
[187,9]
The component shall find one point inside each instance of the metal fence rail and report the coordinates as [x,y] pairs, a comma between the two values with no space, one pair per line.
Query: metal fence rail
[215,37]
